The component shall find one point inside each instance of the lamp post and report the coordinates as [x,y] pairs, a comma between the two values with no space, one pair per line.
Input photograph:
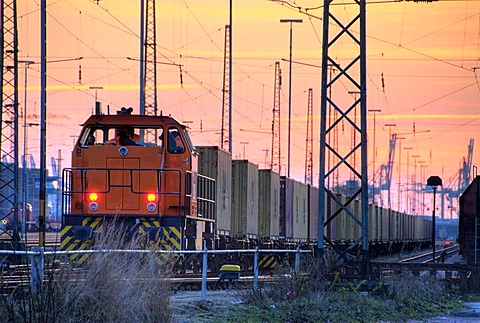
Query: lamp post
[24,172]
[408,180]
[434,182]
[415,184]
[421,194]
[244,143]
[373,165]
[266,156]
[25,125]
[291,21]
[95,103]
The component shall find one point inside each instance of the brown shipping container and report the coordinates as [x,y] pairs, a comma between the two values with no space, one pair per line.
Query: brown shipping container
[389,225]
[334,225]
[350,224]
[329,229]
[386,228]
[340,219]
[373,222]
[216,163]
[268,203]
[313,213]
[245,198]
[357,211]
[300,220]
[286,207]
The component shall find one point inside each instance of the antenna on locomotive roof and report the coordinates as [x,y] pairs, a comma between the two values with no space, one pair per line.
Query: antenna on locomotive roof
[161,113]
[98,108]
[124,110]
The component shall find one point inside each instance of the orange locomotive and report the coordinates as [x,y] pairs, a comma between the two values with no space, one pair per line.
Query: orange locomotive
[139,171]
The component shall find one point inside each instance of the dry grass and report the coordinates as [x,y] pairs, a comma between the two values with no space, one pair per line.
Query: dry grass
[112,287]
[314,298]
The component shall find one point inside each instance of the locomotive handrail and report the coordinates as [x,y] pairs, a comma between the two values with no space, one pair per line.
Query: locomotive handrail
[206,197]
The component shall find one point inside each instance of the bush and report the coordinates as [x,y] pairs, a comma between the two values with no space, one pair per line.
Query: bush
[312,298]
[112,287]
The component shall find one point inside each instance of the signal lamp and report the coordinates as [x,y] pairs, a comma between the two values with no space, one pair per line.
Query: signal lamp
[151,197]
[4,221]
[151,207]
[93,196]
[93,206]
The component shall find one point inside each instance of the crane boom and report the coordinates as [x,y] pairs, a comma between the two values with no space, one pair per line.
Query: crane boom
[386,169]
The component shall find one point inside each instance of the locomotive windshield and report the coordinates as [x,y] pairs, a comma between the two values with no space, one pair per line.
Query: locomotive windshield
[189,141]
[122,135]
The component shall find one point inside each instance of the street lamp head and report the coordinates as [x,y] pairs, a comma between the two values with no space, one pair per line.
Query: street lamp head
[434,181]
[292,20]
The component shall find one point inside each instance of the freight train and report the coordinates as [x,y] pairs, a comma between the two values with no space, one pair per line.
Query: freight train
[468,223]
[144,173]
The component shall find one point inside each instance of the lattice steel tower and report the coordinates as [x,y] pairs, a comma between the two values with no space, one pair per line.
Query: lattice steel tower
[352,75]
[276,163]
[309,141]
[226,93]
[148,58]
[9,118]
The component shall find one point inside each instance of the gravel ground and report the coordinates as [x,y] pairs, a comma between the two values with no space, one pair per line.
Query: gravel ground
[188,306]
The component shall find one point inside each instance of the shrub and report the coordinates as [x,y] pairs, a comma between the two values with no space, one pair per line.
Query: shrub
[111,287]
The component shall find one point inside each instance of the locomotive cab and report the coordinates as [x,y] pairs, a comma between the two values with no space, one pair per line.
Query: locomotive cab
[140,171]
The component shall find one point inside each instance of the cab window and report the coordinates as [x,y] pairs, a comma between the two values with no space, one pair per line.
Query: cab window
[91,137]
[175,144]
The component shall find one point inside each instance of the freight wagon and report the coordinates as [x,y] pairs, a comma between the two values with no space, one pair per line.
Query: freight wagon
[284,213]
[468,225]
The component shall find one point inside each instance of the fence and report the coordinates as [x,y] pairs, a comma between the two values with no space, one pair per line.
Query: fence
[38,254]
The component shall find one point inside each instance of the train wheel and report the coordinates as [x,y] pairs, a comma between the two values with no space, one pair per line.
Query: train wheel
[179,266]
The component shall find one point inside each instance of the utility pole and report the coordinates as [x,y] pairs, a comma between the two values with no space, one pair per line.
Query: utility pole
[230,63]
[244,143]
[408,180]
[374,152]
[266,151]
[414,209]
[309,141]
[353,138]
[290,21]
[43,124]
[399,195]
[25,143]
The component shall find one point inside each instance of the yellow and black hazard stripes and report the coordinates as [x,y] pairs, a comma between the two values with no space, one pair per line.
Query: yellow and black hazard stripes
[147,232]
[80,237]
[170,238]
[161,238]
[268,262]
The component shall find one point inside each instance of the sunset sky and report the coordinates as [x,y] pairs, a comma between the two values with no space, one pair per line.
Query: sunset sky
[428,54]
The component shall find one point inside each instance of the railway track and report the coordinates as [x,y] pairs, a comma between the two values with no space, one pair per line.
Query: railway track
[427,257]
